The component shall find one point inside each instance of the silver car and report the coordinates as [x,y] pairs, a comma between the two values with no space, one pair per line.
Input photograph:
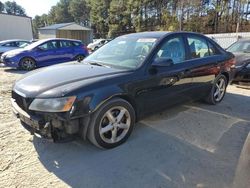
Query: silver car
[7,45]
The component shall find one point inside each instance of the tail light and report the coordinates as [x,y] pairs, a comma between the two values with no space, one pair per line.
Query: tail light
[232,62]
[85,48]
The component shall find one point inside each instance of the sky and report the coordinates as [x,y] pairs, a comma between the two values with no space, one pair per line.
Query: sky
[35,7]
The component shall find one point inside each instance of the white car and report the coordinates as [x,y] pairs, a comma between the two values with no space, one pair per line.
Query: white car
[8,45]
[97,44]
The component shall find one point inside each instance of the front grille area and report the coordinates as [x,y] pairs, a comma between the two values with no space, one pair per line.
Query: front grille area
[22,102]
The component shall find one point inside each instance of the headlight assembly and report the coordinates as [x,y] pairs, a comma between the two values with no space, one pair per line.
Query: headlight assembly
[63,104]
[248,66]
[10,55]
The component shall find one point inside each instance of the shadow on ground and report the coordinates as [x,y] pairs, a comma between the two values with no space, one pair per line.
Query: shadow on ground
[181,147]
[14,71]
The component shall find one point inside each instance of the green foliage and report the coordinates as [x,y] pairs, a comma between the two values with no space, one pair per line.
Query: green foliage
[99,15]
[11,7]
[1,6]
[60,13]
[110,18]
[80,11]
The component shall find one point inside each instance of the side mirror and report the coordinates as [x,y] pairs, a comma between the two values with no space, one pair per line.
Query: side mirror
[40,48]
[162,62]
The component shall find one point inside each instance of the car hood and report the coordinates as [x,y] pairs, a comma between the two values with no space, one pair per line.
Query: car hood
[241,58]
[14,52]
[5,49]
[61,79]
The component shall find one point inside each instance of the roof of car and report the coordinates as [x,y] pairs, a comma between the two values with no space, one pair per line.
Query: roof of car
[13,40]
[45,40]
[157,34]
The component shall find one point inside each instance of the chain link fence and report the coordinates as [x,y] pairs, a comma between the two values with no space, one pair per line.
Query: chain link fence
[226,39]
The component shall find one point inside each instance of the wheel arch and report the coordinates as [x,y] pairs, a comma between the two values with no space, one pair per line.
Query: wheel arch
[86,120]
[226,74]
[27,57]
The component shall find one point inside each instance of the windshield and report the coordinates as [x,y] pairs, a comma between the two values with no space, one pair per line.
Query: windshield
[34,45]
[123,52]
[242,46]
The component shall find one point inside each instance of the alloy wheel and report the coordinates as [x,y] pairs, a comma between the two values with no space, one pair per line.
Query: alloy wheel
[114,124]
[220,88]
[28,64]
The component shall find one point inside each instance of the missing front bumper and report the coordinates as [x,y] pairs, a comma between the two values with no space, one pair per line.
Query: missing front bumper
[52,129]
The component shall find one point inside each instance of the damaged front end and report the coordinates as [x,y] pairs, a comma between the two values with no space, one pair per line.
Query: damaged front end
[58,127]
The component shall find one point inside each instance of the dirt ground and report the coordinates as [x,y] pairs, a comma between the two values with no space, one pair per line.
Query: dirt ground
[192,145]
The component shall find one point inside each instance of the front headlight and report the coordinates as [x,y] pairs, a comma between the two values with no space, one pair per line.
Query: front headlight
[63,104]
[11,55]
[248,66]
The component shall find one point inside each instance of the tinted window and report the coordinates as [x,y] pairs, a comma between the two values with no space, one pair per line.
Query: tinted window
[212,49]
[21,43]
[49,45]
[198,47]
[241,46]
[10,44]
[76,43]
[66,44]
[173,49]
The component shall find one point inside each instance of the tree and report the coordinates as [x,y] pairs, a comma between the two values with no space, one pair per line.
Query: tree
[80,10]
[119,18]
[60,13]
[38,22]
[14,8]
[99,17]
[1,7]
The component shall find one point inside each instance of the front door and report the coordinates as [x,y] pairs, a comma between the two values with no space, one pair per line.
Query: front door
[166,85]
[47,53]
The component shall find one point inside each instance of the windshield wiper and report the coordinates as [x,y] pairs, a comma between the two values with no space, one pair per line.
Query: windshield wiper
[98,64]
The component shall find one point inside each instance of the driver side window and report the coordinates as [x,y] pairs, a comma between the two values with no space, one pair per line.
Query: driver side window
[173,49]
[49,45]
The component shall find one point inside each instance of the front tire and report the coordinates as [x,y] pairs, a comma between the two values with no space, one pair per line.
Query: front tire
[218,90]
[111,124]
[27,64]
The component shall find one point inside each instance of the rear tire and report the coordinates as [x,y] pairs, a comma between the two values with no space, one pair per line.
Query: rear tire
[218,90]
[27,64]
[111,124]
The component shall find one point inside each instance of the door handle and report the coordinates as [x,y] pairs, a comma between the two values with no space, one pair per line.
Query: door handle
[187,71]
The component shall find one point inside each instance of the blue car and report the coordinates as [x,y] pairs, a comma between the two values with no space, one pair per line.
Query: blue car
[44,53]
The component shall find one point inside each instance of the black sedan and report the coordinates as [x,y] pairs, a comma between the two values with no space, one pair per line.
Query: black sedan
[241,50]
[130,77]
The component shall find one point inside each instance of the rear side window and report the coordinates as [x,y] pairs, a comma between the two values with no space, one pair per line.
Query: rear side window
[198,47]
[212,49]
[66,44]
[76,43]
[10,44]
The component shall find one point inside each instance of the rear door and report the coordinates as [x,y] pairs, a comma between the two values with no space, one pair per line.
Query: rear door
[66,50]
[203,60]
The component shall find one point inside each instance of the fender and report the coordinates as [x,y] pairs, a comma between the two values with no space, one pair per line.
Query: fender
[89,103]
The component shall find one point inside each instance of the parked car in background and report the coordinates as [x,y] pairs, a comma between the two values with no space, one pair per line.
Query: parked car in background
[241,50]
[97,43]
[130,77]
[44,53]
[8,45]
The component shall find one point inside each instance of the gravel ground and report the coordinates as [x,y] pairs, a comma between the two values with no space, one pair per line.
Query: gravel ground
[192,145]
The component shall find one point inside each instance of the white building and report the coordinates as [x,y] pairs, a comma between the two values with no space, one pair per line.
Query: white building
[15,27]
